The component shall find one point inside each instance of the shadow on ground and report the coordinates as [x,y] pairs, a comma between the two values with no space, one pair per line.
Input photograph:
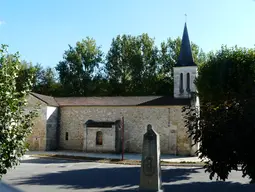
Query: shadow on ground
[127,179]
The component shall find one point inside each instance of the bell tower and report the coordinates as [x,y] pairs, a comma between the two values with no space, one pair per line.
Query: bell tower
[185,70]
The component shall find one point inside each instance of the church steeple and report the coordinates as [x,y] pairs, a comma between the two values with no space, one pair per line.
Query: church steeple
[185,57]
[185,70]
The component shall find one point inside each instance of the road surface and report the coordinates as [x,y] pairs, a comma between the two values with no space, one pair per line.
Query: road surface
[49,175]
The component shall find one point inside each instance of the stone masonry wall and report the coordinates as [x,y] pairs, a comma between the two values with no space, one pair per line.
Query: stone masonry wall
[51,128]
[192,70]
[167,121]
[108,140]
[37,139]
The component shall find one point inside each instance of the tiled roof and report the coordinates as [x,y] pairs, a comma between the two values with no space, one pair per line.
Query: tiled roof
[120,101]
[103,101]
[112,101]
[166,100]
[47,99]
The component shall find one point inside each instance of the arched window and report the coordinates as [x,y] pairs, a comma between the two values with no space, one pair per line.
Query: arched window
[181,83]
[188,82]
[99,138]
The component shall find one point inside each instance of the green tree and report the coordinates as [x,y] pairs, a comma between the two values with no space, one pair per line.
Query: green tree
[116,68]
[15,121]
[100,83]
[27,71]
[46,81]
[131,65]
[135,66]
[77,69]
[145,76]
[225,127]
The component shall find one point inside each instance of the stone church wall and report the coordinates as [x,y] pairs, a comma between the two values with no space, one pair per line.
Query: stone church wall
[108,139]
[51,128]
[166,120]
[37,139]
[184,70]
[44,132]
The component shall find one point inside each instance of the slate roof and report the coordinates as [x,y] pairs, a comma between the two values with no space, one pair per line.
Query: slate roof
[46,99]
[185,57]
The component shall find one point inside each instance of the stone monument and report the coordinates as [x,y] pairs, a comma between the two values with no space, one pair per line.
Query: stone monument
[150,173]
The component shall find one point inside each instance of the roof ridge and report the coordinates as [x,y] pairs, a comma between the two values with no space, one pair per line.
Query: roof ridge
[108,96]
[39,96]
[120,101]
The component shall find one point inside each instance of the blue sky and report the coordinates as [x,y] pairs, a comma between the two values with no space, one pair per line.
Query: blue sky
[41,30]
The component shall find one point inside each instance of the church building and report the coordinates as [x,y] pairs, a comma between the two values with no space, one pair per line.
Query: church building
[106,124]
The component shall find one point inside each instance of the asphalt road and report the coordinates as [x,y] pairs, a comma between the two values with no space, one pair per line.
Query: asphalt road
[49,175]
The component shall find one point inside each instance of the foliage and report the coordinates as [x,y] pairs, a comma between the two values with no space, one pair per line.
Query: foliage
[76,70]
[27,71]
[135,62]
[134,65]
[131,63]
[225,128]
[15,121]
[46,81]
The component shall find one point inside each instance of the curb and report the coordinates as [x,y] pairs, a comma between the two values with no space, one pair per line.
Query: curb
[114,161]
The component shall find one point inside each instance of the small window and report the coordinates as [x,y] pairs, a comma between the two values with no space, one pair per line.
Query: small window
[66,136]
[188,82]
[99,138]
[181,83]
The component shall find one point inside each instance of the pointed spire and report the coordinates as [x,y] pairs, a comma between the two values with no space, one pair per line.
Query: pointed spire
[185,57]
